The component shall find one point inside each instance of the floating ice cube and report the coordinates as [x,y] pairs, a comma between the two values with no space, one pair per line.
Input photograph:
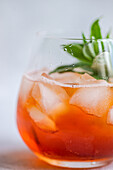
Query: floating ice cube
[36,75]
[49,97]
[68,77]
[86,79]
[42,120]
[36,92]
[93,100]
[25,88]
[86,76]
[110,116]
[76,78]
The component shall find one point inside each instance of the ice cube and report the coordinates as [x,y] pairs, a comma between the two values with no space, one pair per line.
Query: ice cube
[42,120]
[110,116]
[75,78]
[56,88]
[46,76]
[87,79]
[68,90]
[68,77]
[49,97]
[36,75]
[36,92]
[28,83]
[93,100]
[25,88]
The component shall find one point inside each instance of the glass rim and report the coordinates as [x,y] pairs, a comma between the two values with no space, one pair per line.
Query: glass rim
[54,82]
[58,35]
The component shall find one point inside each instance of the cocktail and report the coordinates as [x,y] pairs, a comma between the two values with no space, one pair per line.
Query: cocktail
[65,107]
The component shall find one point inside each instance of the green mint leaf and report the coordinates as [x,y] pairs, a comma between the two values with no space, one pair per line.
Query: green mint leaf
[95,46]
[95,30]
[96,76]
[61,69]
[84,38]
[108,34]
[67,68]
[81,45]
[76,51]
[87,68]
[88,51]
[102,45]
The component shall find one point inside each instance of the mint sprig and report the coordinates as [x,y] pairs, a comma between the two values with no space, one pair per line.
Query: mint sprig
[87,55]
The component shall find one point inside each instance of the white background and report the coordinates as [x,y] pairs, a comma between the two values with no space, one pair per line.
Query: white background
[19,20]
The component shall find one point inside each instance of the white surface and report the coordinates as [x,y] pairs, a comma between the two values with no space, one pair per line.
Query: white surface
[19,20]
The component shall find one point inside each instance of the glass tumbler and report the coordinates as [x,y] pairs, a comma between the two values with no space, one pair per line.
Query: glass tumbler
[65,107]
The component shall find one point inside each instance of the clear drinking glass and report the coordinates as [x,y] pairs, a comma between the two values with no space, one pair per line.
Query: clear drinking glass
[66,118]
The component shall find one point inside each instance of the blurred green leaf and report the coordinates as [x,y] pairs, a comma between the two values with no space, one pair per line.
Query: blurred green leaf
[84,38]
[76,51]
[96,46]
[108,34]
[95,30]
[67,68]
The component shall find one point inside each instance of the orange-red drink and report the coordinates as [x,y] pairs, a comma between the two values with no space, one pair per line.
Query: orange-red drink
[66,117]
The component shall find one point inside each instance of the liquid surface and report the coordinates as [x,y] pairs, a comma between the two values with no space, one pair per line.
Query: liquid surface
[66,116]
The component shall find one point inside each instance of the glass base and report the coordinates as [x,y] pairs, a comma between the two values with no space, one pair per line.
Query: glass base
[75,164]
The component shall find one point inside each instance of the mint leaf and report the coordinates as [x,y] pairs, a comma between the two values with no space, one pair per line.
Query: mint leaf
[95,30]
[76,51]
[108,34]
[84,38]
[67,68]
[88,51]
[96,76]
[102,45]
[95,46]
[64,68]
